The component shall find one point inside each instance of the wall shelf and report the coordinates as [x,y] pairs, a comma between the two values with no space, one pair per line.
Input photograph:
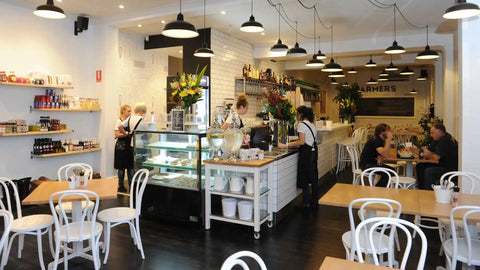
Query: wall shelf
[38,85]
[64,153]
[64,110]
[33,133]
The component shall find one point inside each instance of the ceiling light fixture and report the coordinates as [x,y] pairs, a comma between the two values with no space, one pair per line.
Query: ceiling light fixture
[413,92]
[371,63]
[395,48]
[346,84]
[251,26]
[49,11]
[333,81]
[296,51]
[352,71]
[372,81]
[204,51]
[320,55]
[383,74]
[461,10]
[314,62]
[423,75]
[332,66]
[382,79]
[407,71]
[279,49]
[180,28]
[427,53]
[121,6]
[391,67]
[337,74]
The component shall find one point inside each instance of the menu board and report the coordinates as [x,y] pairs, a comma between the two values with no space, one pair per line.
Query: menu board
[177,119]
[387,106]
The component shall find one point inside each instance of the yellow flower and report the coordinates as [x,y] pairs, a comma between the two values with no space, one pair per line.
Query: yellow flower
[183,94]
[190,92]
[292,110]
[183,84]
[174,93]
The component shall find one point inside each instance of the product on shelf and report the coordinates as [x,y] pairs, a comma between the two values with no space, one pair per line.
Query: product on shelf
[48,146]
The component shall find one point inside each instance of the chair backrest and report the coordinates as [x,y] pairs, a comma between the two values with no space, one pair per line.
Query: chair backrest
[139,183]
[10,199]
[468,235]
[470,181]
[394,224]
[353,153]
[371,173]
[77,195]
[7,226]
[66,170]
[234,259]
[386,204]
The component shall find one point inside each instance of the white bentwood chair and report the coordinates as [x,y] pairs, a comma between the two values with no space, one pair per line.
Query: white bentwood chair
[234,260]
[374,224]
[76,231]
[466,248]
[356,171]
[7,226]
[393,208]
[36,225]
[129,215]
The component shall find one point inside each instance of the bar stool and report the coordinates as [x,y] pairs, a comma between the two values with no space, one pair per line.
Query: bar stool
[342,156]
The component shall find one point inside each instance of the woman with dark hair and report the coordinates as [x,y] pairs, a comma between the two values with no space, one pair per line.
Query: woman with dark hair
[307,172]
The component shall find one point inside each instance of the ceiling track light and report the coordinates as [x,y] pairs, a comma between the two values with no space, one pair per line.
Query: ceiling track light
[251,26]
[427,53]
[49,11]
[352,71]
[204,51]
[407,71]
[279,49]
[332,66]
[180,28]
[395,48]
[371,63]
[296,51]
[461,10]
[314,62]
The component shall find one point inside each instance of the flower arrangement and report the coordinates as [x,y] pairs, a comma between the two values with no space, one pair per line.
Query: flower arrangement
[186,89]
[279,107]
[348,98]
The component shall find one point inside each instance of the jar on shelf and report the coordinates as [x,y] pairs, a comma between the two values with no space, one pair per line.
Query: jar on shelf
[11,77]
[3,76]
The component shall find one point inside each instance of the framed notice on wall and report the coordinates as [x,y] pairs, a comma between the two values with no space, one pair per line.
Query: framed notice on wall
[178,116]
[404,106]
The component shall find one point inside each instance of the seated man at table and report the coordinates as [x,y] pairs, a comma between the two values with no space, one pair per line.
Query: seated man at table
[443,149]
[375,150]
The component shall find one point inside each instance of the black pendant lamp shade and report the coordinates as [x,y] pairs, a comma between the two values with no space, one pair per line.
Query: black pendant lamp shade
[49,11]
[346,84]
[382,79]
[423,75]
[352,71]
[427,54]
[180,29]
[413,92]
[251,25]
[371,63]
[407,71]
[204,51]
[372,81]
[297,51]
[391,67]
[337,74]
[461,10]
[314,62]
[395,48]
[320,55]
[383,74]
[333,81]
[332,67]
[279,48]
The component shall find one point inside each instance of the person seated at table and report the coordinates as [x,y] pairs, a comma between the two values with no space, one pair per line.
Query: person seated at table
[444,150]
[375,150]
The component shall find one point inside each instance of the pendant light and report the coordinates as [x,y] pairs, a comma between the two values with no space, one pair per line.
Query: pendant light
[371,63]
[382,79]
[279,49]
[296,51]
[395,48]
[423,75]
[391,67]
[49,11]
[332,66]
[461,10]
[251,26]
[333,81]
[407,71]
[320,55]
[372,80]
[346,84]
[427,53]
[352,71]
[204,51]
[180,28]
[413,92]
[337,74]
[383,74]
[314,62]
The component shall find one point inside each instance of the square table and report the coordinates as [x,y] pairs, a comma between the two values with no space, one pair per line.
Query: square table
[431,208]
[331,263]
[392,156]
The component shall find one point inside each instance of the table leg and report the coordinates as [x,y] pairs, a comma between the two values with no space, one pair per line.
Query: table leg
[409,168]
[77,216]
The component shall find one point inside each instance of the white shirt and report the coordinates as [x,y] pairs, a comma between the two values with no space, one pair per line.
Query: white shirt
[131,122]
[302,128]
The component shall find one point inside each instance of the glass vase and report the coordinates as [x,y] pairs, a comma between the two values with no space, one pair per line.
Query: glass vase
[282,131]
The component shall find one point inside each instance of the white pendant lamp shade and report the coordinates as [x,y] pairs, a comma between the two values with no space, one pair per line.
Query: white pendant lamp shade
[332,67]
[251,26]
[49,11]
[297,51]
[461,10]
[180,29]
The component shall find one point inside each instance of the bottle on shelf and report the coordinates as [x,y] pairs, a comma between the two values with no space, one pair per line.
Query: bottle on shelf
[244,71]
[249,71]
[11,77]
[3,76]
[70,145]
[65,145]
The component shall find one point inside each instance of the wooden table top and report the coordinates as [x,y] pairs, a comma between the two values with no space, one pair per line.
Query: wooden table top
[250,163]
[430,207]
[342,194]
[105,188]
[331,263]
[392,156]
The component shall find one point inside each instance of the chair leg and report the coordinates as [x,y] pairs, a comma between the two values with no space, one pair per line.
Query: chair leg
[40,249]
[132,232]
[9,248]
[106,242]
[139,238]
[50,241]
[57,255]
[65,256]
[95,252]
[21,241]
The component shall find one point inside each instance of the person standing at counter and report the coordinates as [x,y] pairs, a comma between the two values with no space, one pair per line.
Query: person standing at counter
[307,172]
[241,109]
[123,150]
[375,150]
[126,130]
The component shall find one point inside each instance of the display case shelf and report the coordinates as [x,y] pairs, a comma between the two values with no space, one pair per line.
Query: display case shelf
[163,184]
[33,133]
[184,147]
[167,166]
[65,153]
[38,85]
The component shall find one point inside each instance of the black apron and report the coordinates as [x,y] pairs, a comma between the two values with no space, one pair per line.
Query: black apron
[307,162]
[123,158]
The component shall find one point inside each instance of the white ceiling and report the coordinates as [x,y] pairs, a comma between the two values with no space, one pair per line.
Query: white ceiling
[352,19]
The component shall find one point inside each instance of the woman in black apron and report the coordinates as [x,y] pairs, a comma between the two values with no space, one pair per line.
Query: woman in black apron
[241,109]
[123,152]
[307,172]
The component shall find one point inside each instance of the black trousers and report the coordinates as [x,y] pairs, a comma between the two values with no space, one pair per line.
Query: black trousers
[383,176]
[430,173]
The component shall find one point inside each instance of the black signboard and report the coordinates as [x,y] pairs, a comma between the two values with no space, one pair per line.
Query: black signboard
[387,106]
[177,119]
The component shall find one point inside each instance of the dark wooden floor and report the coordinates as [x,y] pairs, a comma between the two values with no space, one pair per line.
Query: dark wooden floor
[300,240]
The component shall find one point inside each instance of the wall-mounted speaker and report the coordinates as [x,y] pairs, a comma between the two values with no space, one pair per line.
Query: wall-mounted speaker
[80,25]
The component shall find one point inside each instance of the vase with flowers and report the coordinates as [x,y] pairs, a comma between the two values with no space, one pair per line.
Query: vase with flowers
[282,110]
